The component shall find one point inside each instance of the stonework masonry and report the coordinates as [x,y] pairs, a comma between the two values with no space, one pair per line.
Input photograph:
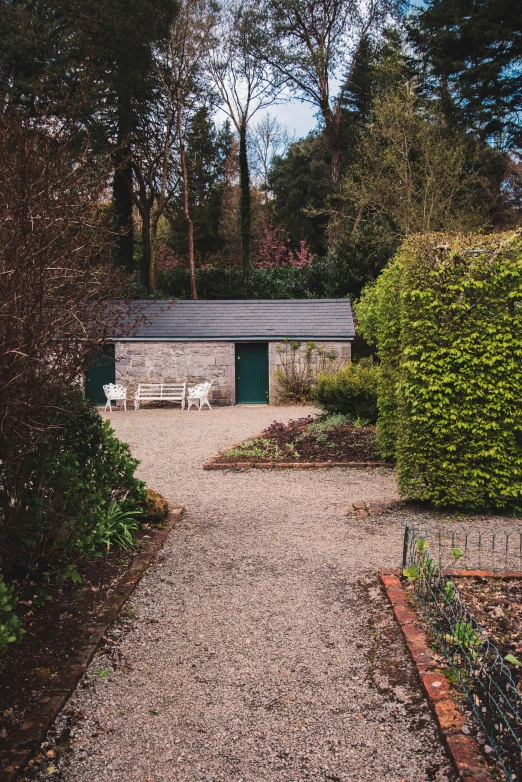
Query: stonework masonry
[192,362]
[171,362]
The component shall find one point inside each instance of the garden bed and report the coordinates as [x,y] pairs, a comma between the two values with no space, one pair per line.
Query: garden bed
[474,619]
[464,741]
[496,605]
[60,621]
[310,440]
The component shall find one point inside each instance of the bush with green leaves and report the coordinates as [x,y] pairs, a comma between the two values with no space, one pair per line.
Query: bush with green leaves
[447,319]
[351,391]
[69,494]
[10,629]
[282,282]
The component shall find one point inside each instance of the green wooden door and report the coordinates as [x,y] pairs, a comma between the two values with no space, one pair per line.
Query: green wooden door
[252,373]
[103,372]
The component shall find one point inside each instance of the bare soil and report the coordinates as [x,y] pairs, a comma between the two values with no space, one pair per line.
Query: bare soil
[496,604]
[295,442]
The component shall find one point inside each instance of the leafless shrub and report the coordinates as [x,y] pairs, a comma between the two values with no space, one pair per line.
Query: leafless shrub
[56,276]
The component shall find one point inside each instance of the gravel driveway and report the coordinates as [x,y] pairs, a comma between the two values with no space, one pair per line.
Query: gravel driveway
[259,645]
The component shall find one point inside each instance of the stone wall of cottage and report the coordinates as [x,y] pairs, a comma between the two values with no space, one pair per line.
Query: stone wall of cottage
[193,362]
[176,362]
[276,351]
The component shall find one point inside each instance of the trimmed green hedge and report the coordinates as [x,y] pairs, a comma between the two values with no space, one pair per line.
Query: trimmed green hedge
[352,391]
[447,319]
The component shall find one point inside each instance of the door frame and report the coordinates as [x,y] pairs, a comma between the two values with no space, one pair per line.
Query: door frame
[106,357]
[244,344]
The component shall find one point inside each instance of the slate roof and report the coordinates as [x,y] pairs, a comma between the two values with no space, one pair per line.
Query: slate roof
[257,319]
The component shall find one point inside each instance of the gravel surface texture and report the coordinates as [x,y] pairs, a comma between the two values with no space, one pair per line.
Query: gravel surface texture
[259,646]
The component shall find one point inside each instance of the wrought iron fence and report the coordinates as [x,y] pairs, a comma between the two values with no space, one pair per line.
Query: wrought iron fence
[489,549]
[475,661]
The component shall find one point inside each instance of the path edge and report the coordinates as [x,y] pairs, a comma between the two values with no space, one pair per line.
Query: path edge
[40,719]
[296,465]
[463,750]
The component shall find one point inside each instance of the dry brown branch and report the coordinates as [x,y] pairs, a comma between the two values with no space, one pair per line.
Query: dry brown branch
[56,276]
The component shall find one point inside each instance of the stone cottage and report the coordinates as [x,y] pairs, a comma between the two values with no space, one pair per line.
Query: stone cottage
[237,344]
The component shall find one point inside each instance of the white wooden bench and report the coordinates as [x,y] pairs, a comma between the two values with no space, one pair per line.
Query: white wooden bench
[160,392]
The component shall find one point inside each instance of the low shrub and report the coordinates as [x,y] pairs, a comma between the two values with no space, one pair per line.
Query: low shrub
[157,506]
[70,493]
[284,282]
[10,630]
[352,391]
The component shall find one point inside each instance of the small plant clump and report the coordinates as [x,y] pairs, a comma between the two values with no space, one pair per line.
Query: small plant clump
[10,629]
[263,448]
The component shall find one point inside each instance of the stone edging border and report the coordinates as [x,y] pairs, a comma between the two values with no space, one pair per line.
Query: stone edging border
[296,465]
[463,750]
[33,730]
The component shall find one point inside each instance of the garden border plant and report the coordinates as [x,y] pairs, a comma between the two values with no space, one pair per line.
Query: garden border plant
[34,728]
[298,370]
[236,462]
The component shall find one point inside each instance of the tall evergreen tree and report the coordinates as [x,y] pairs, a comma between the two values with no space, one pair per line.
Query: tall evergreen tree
[90,63]
[207,152]
[473,49]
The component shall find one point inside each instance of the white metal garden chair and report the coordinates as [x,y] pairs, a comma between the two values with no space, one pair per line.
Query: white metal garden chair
[116,392]
[198,395]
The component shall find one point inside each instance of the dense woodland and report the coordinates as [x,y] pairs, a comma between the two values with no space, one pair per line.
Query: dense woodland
[418,129]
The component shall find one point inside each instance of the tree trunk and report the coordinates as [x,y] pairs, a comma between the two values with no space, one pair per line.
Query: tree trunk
[245,207]
[147,270]
[186,209]
[122,197]
[332,120]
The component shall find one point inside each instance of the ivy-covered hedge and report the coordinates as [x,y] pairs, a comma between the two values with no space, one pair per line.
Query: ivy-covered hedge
[447,319]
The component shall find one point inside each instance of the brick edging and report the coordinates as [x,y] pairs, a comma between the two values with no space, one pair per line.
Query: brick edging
[502,574]
[463,750]
[34,728]
[296,465]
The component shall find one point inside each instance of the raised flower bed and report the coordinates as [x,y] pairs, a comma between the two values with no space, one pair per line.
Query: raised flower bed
[311,442]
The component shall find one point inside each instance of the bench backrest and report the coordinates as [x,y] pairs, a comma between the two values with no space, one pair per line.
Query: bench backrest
[161,390]
[114,391]
[200,390]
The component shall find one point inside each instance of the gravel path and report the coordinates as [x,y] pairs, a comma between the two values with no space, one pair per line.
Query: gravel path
[259,645]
